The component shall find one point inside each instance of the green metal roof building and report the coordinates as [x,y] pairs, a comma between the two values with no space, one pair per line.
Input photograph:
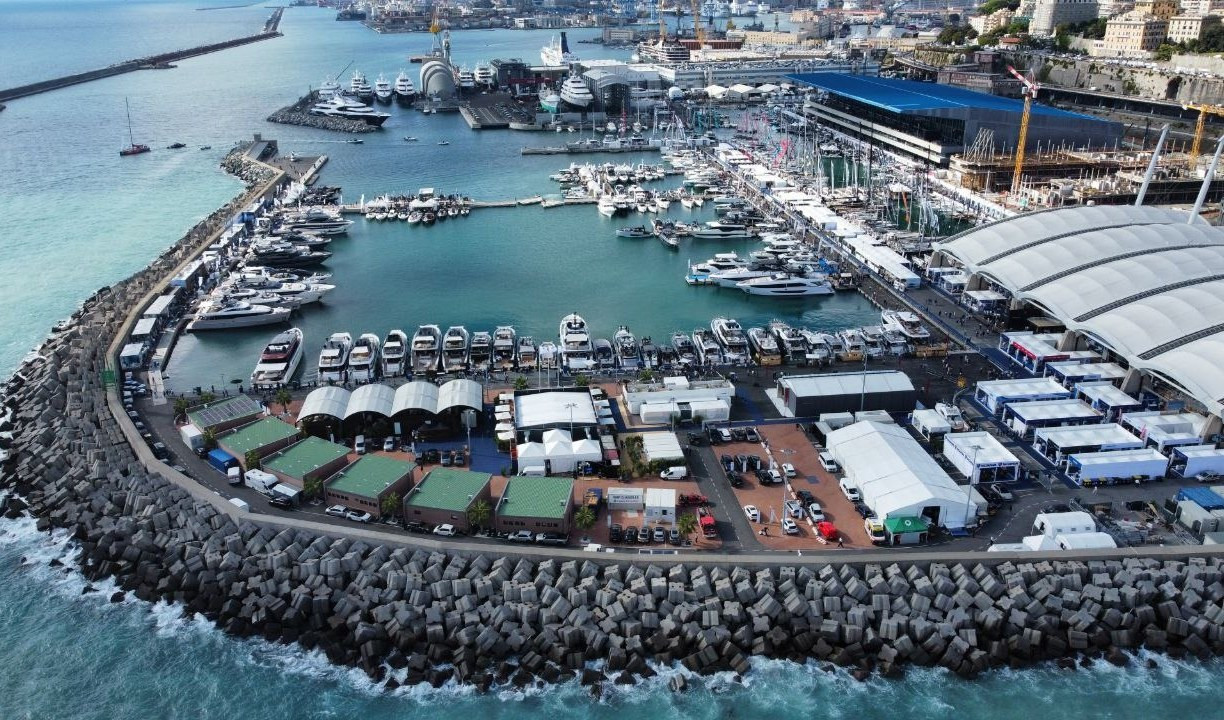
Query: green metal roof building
[365,483]
[264,436]
[306,460]
[444,495]
[538,504]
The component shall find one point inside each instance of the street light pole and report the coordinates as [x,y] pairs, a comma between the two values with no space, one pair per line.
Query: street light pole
[973,473]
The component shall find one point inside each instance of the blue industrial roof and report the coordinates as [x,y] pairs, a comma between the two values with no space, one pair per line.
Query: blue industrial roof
[911,96]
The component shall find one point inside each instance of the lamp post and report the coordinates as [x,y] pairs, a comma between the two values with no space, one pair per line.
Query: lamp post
[973,474]
[570,407]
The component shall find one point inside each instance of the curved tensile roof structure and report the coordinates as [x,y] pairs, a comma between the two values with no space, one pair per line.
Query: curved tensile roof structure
[373,398]
[460,394]
[1141,280]
[329,400]
[379,399]
[416,395]
[437,79]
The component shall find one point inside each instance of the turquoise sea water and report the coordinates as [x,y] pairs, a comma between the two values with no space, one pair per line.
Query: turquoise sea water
[74,216]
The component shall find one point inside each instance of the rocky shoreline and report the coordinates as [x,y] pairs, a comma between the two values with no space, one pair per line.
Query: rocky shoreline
[408,616]
[299,114]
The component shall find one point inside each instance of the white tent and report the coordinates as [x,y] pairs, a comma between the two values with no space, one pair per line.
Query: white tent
[559,450]
[716,92]
[974,452]
[661,446]
[896,477]
[531,454]
[587,451]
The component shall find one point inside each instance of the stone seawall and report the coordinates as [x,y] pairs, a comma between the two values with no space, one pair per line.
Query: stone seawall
[299,114]
[409,615]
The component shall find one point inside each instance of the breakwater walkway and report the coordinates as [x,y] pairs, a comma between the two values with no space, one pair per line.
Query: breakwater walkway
[151,62]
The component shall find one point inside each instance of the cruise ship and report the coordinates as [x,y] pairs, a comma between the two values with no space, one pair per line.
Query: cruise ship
[480,355]
[557,52]
[333,358]
[382,89]
[404,89]
[278,361]
[342,107]
[503,347]
[764,347]
[786,285]
[455,349]
[731,336]
[360,87]
[363,359]
[662,51]
[575,93]
[426,346]
[394,349]
[577,352]
[227,314]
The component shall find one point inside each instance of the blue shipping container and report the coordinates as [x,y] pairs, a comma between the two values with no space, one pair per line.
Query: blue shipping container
[1205,498]
[221,460]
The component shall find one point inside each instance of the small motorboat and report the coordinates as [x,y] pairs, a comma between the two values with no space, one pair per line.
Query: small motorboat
[354,141]
[206,147]
[176,146]
[444,142]
[409,138]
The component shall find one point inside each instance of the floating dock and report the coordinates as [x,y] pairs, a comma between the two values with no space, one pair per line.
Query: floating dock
[585,150]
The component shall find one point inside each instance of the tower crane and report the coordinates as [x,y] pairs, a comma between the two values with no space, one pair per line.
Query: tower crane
[698,30]
[1204,111]
[1030,94]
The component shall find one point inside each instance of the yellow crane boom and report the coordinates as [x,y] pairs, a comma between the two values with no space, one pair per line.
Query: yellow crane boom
[1204,111]
[1030,92]
[698,30]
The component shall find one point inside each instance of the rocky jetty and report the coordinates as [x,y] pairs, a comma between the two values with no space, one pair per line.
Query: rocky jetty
[299,114]
[411,615]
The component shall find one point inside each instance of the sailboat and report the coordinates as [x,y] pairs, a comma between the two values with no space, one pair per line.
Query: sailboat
[134,148]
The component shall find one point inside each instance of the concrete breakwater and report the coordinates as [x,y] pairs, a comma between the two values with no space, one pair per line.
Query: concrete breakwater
[410,615]
[299,114]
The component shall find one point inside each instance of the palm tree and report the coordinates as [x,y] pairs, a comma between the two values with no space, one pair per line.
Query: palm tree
[582,380]
[390,503]
[252,459]
[283,397]
[181,403]
[313,487]
[210,439]
[478,514]
[687,525]
[584,519]
[521,383]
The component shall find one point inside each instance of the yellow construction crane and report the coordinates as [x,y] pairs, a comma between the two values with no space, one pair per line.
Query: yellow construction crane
[1030,94]
[1204,111]
[698,30]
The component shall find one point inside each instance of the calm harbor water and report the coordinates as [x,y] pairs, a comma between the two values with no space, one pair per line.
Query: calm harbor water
[74,216]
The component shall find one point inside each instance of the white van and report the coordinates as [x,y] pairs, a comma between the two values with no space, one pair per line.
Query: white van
[234,475]
[533,471]
[359,445]
[261,481]
[675,472]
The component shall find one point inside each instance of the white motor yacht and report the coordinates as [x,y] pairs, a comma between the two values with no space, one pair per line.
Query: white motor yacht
[503,347]
[526,356]
[480,353]
[732,338]
[575,93]
[686,351]
[360,87]
[628,354]
[343,107]
[714,230]
[227,314]
[577,352]
[394,351]
[464,79]
[764,347]
[279,360]
[455,349]
[403,89]
[382,89]
[820,346]
[484,75]
[786,285]
[906,323]
[854,348]
[731,278]
[333,358]
[790,342]
[426,349]
[718,263]
[873,340]
[709,351]
[363,359]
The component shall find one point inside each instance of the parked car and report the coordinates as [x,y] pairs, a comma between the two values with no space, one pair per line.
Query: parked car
[738,434]
[445,530]
[789,470]
[827,461]
[754,462]
[715,436]
[751,435]
[736,480]
[430,455]
[775,477]
[631,534]
[674,536]
[336,511]
[1208,476]
[359,445]
[741,462]
[551,539]
[815,512]
[660,534]
[389,445]
[446,459]
[1003,493]
[793,508]
[520,536]
[644,535]
[696,439]
[460,458]
[616,533]
[861,508]
[359,516]
[753,514]
[805,497]
[727,461]
[724,435]
[790,527]
[848,489]
[281,502]
[416,526]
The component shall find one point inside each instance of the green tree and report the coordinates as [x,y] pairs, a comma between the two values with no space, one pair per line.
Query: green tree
[584,519]
[646,375]
[478,515]
[521,383]
[390,504]
[210,439]
[251,460]
[313,488]
[686,524]
[181,403]
[581,380]
[207,397]
[283,397]
[1165,51]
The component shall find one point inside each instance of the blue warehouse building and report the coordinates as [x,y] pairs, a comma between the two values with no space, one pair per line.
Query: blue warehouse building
[932,122]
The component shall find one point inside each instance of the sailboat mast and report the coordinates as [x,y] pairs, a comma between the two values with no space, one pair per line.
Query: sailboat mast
[128,108]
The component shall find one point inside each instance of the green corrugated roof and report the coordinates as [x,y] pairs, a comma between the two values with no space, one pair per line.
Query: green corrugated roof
[448,489]
[536,497]
[905,524]
[223,411]
[369,476]
[308,455]
[253,436]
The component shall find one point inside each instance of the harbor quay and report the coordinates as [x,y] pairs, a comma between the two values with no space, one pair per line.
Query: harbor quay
[412,609]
